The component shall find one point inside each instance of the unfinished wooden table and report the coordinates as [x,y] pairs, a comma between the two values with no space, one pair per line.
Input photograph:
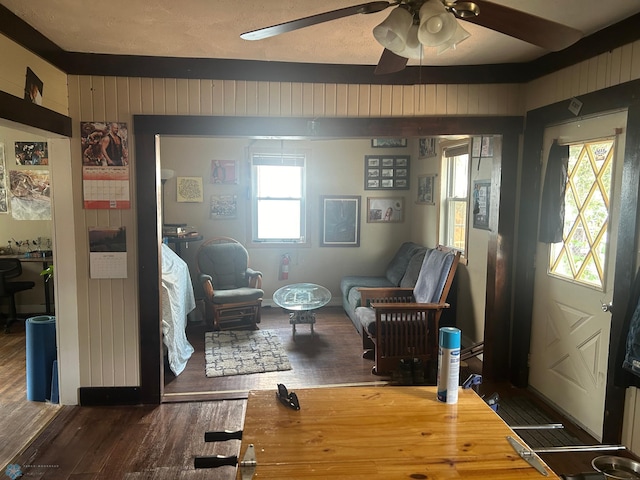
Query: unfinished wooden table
[380,432]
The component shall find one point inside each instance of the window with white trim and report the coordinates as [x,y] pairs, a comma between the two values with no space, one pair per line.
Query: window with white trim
[278,198]
[454,207]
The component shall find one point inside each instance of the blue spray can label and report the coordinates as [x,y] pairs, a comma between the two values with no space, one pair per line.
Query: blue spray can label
[448,364]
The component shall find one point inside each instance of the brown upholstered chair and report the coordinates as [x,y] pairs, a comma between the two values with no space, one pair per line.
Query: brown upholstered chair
[233,293]
[402,323]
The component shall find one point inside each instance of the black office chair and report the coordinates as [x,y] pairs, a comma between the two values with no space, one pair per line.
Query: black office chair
[11,268]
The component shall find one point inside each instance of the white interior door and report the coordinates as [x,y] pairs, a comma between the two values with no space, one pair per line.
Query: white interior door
[570,330]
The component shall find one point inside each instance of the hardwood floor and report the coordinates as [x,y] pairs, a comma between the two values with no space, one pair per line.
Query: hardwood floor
[20,419]
[160,442]
[314,359]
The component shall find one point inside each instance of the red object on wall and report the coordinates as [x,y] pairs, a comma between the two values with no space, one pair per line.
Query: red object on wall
[284,267]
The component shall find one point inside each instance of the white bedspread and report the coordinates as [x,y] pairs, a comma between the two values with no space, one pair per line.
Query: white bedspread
[177,301]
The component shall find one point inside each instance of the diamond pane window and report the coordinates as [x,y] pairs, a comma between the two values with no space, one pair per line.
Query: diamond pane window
[581,257]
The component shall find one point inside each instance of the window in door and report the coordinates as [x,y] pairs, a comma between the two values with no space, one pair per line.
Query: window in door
[582,255]
[455,201]
[278,198]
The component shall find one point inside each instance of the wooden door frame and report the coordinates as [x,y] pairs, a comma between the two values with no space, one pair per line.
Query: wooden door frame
[148,128]
[624,96]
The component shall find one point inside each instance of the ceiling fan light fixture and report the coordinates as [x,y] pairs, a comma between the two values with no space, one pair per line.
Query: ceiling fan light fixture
[392,32]
[459,36]
[464,9]
[437,25]
[413,48]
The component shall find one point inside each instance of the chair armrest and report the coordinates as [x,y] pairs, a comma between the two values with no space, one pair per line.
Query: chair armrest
[395,307]
[254,277]
[207,285]
[370,295]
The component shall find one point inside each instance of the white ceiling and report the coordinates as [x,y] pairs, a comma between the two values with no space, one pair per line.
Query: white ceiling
[212,28]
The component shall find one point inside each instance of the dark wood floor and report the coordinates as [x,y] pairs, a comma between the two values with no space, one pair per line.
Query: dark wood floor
[160,442]
[313,358]
[20,419]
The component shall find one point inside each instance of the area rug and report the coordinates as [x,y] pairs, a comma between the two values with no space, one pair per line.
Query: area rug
[242,352]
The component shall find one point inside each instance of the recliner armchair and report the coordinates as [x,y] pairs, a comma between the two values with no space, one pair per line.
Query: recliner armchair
[12,268]
[233,291]
[402,323]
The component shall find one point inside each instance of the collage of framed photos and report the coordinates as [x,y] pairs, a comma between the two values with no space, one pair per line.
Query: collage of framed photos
[386,172]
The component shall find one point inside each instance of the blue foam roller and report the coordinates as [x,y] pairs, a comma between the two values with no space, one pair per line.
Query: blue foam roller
[41,353]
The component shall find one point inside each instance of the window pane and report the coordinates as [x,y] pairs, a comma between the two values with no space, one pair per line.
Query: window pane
[279,219]
[279,181]
[460,176]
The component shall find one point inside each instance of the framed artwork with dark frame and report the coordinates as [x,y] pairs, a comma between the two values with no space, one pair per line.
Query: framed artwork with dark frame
[340,221]
[386,172]
[388,142]
[427,147]
[385,210]
[426,188]
[481,203]
[33,88]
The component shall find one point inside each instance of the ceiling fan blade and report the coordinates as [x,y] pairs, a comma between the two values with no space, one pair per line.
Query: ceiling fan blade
[524,26]
[390,63]
[371,7]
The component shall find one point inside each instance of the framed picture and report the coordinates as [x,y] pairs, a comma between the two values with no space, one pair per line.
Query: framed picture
[340,222]
[224,172]
[481,203]
[223,206]
[189,190]
[385,210]
[31,153]
[427,147]
[388,142]
[426,184]
[33,88]
[482,147]
[386,172]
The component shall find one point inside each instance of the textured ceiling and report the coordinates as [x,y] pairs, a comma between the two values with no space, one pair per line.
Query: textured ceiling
[212,28]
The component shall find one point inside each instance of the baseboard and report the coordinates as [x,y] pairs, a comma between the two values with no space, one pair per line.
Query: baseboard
[100,396]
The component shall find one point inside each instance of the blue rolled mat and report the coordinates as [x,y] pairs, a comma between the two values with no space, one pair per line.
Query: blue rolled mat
[41,352]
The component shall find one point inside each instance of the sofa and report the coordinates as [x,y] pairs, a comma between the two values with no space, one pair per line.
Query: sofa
[402,271]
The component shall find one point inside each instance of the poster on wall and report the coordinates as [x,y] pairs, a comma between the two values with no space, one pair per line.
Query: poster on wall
[223,206]
[33,87]
[105,165]
[224,172]
[189,190]
[30,194]
[4,205]
[31,153]
[108,252]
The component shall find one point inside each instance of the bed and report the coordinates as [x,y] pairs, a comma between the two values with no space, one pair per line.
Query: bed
[177,302]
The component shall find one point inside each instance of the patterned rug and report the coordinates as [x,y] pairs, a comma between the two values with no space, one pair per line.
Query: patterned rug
[242,352]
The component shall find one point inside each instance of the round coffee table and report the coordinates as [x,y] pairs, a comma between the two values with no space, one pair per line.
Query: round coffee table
[301,299]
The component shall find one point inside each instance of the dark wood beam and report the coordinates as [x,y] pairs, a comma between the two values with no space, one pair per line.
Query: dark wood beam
[23,111]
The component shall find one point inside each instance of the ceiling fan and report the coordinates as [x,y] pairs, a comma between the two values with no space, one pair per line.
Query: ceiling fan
[414,24]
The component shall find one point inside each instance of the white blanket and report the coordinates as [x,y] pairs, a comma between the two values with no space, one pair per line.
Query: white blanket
[177,301]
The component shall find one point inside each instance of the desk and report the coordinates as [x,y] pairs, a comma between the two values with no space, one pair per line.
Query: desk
[179,241]
[380,432]
[45,285]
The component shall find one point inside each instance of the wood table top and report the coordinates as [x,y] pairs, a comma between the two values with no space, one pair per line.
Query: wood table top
[383,432]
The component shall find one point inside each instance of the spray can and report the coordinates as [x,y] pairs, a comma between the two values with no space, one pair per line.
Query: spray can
[448,364]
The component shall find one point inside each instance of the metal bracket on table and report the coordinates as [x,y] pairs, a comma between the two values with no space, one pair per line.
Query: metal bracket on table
[247,465]
[528,455]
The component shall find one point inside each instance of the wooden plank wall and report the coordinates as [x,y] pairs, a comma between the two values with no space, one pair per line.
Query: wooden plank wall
[108,309]
[608,69]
